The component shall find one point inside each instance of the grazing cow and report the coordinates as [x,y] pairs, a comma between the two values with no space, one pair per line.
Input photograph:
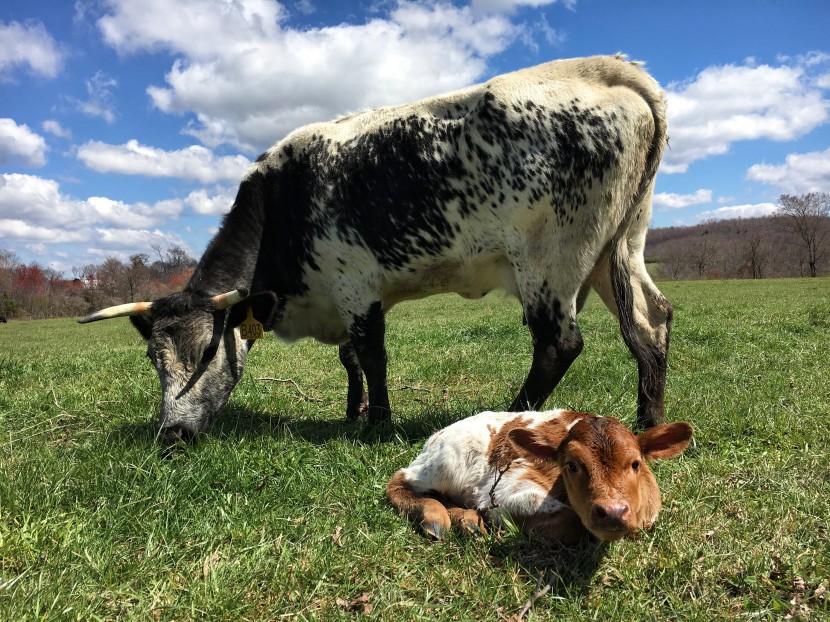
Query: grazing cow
[556,473]
[537,182]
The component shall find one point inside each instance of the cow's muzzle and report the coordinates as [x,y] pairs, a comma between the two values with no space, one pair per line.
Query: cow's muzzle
[176,435]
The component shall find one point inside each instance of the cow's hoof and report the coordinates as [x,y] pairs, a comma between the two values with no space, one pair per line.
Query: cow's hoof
[355,412]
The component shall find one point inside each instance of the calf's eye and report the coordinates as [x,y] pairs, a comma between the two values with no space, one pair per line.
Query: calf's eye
[571,466]
[635,465]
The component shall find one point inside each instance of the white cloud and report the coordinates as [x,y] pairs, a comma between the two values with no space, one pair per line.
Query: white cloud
[20,145]
[801,173]
[738,211]
[101,102]
[266,79]
[20,229]
[670,200]
[216,205]
[191,163]
[28,45]
[40,202]
[131,239]
[56,129]
[506,6]
[306,7]
[733,103]
[35,214]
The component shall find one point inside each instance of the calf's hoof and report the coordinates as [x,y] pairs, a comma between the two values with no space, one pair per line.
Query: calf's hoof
[434,530]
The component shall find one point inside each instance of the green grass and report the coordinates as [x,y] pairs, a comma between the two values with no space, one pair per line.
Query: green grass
[279,512]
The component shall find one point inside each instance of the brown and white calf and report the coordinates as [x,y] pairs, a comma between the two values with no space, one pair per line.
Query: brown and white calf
[556,473]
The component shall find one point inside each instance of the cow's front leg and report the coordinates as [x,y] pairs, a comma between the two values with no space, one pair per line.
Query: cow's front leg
[367,332]
[556,344]
[356,400]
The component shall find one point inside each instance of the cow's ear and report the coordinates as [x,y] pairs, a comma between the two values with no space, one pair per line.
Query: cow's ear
[665,441]
[143,324]
[531,443]
[263,306]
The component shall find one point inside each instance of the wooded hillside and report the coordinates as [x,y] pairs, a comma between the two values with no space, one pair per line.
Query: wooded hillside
[741,248]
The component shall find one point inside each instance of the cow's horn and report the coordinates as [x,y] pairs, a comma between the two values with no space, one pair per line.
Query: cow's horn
[223,301]
[131,308]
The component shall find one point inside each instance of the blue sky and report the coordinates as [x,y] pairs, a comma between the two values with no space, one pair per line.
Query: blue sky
[127,124]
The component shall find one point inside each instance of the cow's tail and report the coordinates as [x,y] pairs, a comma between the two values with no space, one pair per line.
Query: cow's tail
[650,360]
[635,78]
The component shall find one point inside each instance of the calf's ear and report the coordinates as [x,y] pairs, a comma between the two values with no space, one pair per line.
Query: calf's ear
[531,443]
[263,306]
[143,324]
[665,441]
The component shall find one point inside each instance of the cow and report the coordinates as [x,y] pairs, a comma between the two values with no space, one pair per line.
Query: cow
[559,474]
[536,182]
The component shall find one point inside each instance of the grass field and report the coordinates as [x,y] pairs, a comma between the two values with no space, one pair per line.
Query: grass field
[279,512]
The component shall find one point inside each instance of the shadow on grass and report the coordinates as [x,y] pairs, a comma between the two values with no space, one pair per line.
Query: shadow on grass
[237,422]
[560,571]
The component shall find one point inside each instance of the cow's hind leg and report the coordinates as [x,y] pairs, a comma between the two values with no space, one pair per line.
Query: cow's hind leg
[367,334]
[556,344]
[356,400]
[645,318]
[428,512]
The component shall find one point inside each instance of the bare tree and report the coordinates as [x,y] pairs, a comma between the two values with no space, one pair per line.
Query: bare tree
[674,263]
[111,277]
[755,255]
[162,269]
[704,255]
[138,276]
[178,259]
[8,263]
[808,216]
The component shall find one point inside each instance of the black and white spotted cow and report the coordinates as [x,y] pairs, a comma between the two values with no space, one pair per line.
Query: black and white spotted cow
[538,182]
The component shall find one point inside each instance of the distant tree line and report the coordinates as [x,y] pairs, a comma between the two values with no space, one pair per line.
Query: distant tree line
[34,292]
[792,242]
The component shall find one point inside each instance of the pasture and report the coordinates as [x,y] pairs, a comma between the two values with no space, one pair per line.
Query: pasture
[279,513]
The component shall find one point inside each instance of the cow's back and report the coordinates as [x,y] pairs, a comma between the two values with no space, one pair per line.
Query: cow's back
[457,192]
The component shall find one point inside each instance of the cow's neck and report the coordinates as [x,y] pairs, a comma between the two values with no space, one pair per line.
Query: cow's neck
[231,257]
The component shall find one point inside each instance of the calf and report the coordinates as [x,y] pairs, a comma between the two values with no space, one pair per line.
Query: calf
[556,473]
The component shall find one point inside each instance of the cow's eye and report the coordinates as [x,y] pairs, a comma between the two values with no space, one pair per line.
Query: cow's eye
[635,465]
[572,467]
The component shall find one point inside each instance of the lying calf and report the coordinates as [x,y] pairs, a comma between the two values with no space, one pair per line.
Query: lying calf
[556,473]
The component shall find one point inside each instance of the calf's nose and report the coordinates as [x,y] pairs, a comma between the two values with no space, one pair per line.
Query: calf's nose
[611,515]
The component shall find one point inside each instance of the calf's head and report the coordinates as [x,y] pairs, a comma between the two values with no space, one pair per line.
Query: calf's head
[605,471]
[194,343]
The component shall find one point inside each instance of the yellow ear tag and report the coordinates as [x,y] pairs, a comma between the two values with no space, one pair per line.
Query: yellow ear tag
[250,328]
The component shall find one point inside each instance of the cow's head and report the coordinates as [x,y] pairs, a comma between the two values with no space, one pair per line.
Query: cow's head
[605,470]
[194,342]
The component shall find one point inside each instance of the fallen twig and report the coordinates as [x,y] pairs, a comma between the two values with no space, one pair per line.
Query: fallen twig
[538,592]
[406,387]
[296,386]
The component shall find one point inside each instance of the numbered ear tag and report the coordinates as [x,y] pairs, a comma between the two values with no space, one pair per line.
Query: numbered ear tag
[250,328]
